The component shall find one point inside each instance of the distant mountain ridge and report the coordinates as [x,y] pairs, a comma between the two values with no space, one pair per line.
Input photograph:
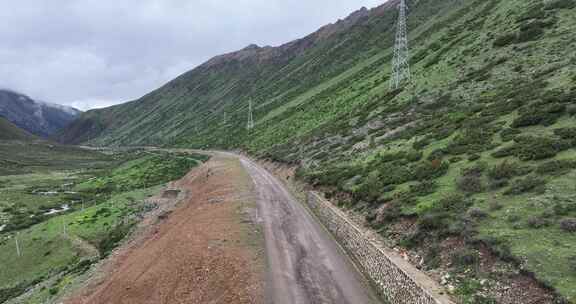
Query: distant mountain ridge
[37,117]
[8,131]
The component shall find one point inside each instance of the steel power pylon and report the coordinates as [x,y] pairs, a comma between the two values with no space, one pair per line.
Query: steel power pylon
[250,124]
[400,64]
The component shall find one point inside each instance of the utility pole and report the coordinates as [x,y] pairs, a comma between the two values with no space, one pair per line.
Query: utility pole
[226,134]
[18,249]
[400,62]
[250,125]
[64,227]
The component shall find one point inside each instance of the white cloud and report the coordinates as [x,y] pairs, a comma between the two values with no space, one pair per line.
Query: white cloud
[94,53]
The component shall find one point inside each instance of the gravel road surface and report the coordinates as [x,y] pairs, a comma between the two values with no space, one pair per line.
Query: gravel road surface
[305,264]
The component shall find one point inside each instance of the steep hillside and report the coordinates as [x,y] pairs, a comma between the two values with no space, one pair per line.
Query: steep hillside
[471,165]
[9,131]
[39,118]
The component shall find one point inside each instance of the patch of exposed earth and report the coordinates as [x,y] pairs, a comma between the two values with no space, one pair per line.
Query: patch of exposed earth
[205,249]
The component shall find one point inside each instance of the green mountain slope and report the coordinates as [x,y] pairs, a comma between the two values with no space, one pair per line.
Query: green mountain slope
[9,131]
[479,150]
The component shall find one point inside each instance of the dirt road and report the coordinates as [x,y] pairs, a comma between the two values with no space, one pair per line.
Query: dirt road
[209,250]
[305,264]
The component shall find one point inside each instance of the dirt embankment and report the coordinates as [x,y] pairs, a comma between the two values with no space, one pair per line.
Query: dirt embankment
[207,250]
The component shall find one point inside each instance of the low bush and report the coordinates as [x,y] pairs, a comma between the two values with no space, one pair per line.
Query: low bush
[530,119]
[112,239]
[509,134]
[453,203]
[566,133]
[432,221]
[477,213]
[533,148]
[474,157]
[470,183]
[568,225]
[506,170]
[437,154]
[430,169]
[505,39]
[556,167]
[424,188]
[495,184]
[560,4]
[528,184]
[530,32]
[537,222]
[421,144]
[465,258]
[471,140]
[572,262]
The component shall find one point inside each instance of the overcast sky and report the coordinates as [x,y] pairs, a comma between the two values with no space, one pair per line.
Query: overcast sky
[95,53]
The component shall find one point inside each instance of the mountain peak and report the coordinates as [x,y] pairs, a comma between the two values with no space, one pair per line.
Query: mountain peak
[37,117]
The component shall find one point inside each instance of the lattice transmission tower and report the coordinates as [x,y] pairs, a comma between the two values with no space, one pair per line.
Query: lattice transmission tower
[250,124]
[400,62]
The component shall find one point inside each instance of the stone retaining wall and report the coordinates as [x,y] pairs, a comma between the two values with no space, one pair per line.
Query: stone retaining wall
[392,282]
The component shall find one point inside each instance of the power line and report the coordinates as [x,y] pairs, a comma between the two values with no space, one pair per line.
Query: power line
[400,64]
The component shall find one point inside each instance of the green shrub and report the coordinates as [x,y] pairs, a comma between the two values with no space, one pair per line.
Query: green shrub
[470,184]
[505,39]
[528,119]
[111,240]
[433,221]
[507,170]
[530,32]
[572,262]
[474,157]
[453,203]
[533,148]
[508,134]
[560,4]
[567,134]
[430,169]
[437,154]
[477,213]
[333,176]
[413,156]
[421,144]
[556,167]
[471,140]
[571,109]
[537,222]
[568,225]
[424,188]
[528,184]
[535,11]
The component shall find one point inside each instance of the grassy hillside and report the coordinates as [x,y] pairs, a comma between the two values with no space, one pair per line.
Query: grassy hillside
[471,165]
[9,131]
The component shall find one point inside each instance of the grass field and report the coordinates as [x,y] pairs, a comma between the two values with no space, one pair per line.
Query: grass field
[104,194]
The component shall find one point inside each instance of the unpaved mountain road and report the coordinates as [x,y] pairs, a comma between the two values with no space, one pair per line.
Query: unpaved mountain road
[305,264]
[239,238]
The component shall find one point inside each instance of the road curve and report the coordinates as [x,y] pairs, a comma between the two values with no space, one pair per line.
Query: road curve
[305,264]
